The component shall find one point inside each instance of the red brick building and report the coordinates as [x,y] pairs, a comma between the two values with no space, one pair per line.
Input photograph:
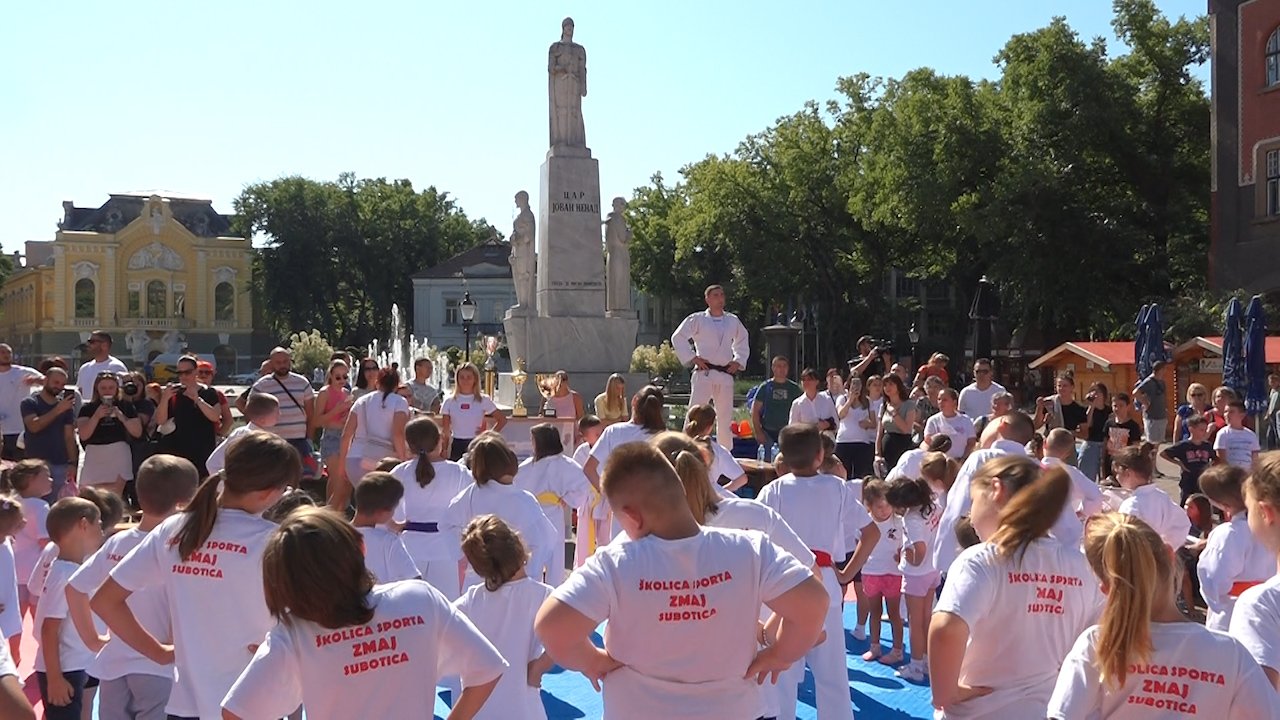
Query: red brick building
[1245,214]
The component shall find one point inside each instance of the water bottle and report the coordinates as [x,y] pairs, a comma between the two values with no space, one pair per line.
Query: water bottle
[760,451]
[773,452]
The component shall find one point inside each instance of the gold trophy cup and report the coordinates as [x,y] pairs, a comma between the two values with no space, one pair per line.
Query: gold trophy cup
[518,379]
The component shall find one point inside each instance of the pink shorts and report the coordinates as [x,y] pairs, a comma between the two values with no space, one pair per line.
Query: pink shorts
[920,585]
[889,586]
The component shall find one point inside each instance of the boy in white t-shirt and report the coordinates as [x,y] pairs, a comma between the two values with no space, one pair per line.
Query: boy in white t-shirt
[262,410]
[1255,619]
[683,604]
[1232,560]
[62,660]
[377,496]
[826,513]
[1235,443]
[131,685]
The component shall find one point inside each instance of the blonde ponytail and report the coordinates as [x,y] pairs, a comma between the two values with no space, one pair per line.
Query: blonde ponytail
[685,456]
[1134,565]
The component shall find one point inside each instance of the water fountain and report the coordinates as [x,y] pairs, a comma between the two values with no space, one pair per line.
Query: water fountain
[404,349]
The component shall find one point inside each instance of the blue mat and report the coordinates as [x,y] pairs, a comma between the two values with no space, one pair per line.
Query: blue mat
[875,692]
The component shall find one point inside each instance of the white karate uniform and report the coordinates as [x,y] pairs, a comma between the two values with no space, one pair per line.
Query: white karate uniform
[958,501]
[613,436]
[719,340]
[434,552]
[1085,498]
[1153,506]
[1255,622]
[1231,555]
[11,615]
[518,508]
[1192,672]
[386,557]
[505,616]
[558,483]
[591,528]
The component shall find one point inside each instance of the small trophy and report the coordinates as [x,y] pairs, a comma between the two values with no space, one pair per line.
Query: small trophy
[518,378]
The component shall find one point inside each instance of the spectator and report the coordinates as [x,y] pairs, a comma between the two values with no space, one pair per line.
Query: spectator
[896,423]
[1272,417]
[1061,409]
[1155,415]
[423,396]
[771,409]
[873,361]
[1217,415]
[1121,430]
[1001,404]
[611,405]
[1197,404]
[187,416]
[936,367]
[332,404]
[1097,412]
[204,373]
[106,424]
[566,401]
[976,397]
[49,419]
[812,406]
[100,348]
[16,382]
[294,393]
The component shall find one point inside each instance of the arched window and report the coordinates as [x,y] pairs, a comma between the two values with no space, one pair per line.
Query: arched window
[86,298]
[224,302]
[1273,58]
[157,300]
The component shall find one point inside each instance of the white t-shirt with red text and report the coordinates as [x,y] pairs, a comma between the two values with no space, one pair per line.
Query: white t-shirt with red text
[1231,555]
[1024,614]
[1192,672]
[72,653]
[1255,622]
[682,620]
[505,616]
[386,557]
[149,605]
[36,580]
[216,603]
[387,668]
[467,414]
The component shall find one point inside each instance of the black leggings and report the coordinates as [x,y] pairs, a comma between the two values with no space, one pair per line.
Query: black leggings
[857,457]
[458,448]
[894,445]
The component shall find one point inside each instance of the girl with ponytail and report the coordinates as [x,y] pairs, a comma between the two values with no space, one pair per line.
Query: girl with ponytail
[913,499]
[208,559]
[430,481]
[1142,640]
[1133,466]
[1012,605]
[558,483]
[647,420]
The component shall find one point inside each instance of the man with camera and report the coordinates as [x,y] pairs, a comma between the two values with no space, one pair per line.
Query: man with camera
[875,358]
[188,416]
[51,429]
[716,344]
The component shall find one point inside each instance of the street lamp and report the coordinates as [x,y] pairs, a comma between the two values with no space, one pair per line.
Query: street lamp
[914,336]
[468,310]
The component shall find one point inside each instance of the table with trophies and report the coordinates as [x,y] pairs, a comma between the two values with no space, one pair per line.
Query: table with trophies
[521,419]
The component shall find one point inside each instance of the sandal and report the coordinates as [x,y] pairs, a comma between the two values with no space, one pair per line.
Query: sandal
[874,653]
[893,658]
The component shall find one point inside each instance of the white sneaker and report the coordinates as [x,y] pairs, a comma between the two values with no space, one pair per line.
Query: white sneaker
[914,671]
[859,633]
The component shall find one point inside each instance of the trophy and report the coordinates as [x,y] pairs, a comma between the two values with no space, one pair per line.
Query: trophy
[490,367]
[518,378]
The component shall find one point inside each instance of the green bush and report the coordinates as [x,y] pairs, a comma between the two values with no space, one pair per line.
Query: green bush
[310,351]
[655,361]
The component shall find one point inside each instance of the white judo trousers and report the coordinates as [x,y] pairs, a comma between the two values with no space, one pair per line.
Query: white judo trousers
[827,662]
[717,388]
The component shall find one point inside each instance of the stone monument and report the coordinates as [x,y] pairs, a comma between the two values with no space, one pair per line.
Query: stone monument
[523,259]
[569,329]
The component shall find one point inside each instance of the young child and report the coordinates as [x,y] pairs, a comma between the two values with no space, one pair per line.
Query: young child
[11,521]
[559,484]
[430,482]
[1013,605]
[697,660]
[699,423]
[345,648]
[131,685]
[881,579]
[62,660]
[825,511]
[111,512]
[913,500]
[504,608]
[1232,560]
[31,480]
[1192,456]
[494,466]
[208,560]
[377,496]
[1255,619]
[1133,468]
[292,499]
[1085,500]
[588,528]
[262,410]
[1120,430]
[1236,444]
[1200,514]
[1143,659]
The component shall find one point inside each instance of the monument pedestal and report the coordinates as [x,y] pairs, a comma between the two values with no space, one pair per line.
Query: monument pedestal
[570,257]
[575,344]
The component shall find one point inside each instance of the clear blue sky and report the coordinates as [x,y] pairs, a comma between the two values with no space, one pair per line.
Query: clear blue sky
[204,98]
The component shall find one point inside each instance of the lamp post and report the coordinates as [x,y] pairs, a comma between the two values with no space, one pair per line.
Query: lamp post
[468,310]
[914,336]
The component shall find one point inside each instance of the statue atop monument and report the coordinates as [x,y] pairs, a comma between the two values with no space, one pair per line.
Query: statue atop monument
[617,239]
[523,259]
[567,85]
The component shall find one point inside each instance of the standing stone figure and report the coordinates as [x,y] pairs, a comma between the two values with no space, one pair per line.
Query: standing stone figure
[523,259]
[567,85]
[617,238]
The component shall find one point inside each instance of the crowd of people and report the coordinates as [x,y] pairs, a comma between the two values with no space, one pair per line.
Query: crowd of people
[1026,562]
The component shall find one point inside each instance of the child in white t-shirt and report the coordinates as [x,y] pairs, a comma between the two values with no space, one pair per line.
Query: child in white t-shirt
[559,484]
[377,496]
[949,421]
[1143,659]
[62,660]
[914,501]
[588,530]
[1013,605]
[262,410]
[345,648]
[430,482]
[503,608]
[11,522]
[1133,466]
[827,514]
[1236,444]
[683,604]
[132,685]
[1232,560]
[465,414]
[208,560]
[881,578]
[31,480]
[1255,619]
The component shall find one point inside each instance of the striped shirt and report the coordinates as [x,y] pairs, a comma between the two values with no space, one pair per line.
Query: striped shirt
[293,419]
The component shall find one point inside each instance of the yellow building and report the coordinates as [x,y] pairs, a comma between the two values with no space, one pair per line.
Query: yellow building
[157,270]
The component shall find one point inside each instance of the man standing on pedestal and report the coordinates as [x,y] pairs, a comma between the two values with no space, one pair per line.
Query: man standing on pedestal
[716,344]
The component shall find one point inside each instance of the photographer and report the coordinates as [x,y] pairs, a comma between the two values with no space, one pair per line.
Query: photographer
[876,356]
[106,425]
[50,429]
[188,416]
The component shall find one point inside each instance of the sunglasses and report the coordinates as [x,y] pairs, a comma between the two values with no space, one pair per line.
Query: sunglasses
[185,372]
[983,371]
[339,377]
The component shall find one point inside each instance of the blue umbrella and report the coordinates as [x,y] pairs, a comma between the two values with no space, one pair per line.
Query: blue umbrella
[1255,357]
[1140,342]
[1233,372]
[1153,338]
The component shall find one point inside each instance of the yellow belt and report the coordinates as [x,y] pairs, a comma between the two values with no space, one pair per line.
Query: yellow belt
[591,523]
[548,498]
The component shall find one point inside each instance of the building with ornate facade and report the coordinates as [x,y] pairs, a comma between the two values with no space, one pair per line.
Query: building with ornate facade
[159,271]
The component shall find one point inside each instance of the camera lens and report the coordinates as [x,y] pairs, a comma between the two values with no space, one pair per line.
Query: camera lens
[130,388]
